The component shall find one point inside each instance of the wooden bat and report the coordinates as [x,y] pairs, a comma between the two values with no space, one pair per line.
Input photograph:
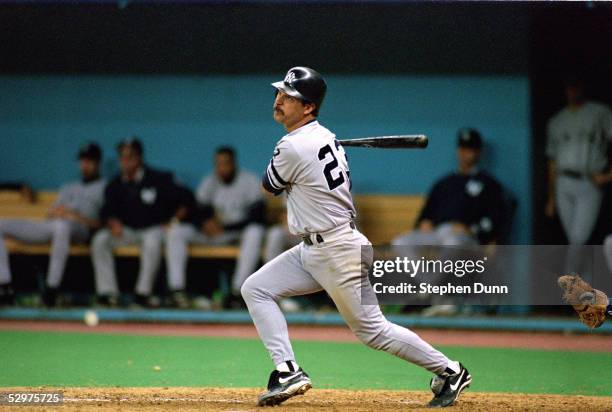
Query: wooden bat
[405,141]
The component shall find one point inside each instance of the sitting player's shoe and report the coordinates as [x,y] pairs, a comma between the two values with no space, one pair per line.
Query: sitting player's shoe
[284,385]
[180,300]
[107,301]
[49,297]
[447,388]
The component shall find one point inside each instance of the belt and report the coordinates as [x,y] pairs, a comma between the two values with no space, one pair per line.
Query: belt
[307,239]
[573,174]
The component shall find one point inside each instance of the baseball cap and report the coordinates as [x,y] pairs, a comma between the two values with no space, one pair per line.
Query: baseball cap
[90,150]
[132,142]
[469,138]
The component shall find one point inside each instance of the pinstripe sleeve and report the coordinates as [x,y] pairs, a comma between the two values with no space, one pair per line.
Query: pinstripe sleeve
[281,169]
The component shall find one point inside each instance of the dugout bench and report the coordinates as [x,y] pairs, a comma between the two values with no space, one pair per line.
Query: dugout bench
[381,218]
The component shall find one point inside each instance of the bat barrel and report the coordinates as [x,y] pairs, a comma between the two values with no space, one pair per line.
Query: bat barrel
[389,142]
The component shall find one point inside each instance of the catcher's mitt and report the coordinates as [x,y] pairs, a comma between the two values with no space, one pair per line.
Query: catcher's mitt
[589,303]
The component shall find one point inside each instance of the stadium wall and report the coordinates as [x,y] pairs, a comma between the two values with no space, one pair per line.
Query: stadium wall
[181,120]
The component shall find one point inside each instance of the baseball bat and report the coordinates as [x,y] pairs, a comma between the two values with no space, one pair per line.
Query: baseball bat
[406,141]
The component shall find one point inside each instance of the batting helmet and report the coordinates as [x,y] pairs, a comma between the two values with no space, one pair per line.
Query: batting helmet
[305,84]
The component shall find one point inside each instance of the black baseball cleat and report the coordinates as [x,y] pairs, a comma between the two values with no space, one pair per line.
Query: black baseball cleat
[107,301]
[447,388]
[49,297]
[284,385]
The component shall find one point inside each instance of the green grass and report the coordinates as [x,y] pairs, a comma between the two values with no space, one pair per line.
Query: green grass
[76,359]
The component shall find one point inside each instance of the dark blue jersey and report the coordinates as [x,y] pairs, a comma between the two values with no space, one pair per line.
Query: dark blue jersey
[147,202]
[475,200]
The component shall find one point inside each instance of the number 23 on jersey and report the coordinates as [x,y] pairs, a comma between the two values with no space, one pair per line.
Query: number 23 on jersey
[333,172]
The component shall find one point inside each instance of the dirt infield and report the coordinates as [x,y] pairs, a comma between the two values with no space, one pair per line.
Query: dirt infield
[217,399]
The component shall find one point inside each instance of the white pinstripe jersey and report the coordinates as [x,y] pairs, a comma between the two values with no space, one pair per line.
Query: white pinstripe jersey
[312,167]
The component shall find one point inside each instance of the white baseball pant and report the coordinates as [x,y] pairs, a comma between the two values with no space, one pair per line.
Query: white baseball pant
[60,232]
[102,245]
[334,266]
[578,203]
[179,236]
[442,235]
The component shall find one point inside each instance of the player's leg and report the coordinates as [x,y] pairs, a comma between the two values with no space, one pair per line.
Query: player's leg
[251,240]
[416,238]
[448,236]
[579,222]
[102,246]
[178,237]
[281,277]
[63,232]
[278,239]
[586,211]
[338,268]
[151,240]
[22,230]
[565,202]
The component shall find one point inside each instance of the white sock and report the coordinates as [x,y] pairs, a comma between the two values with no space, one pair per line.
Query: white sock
[288,366]
[454,366]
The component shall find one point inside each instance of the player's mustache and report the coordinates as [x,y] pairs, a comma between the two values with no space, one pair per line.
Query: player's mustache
[276,109]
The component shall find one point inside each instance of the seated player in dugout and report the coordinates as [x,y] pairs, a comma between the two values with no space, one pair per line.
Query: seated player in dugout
[463,208]
[71,218]
[138,202]
[230,210]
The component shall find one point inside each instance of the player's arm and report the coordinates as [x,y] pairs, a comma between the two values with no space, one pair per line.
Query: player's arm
[58,210]
[83,220]
[281,169]
[266,193]
[425,221]
[271,182]
[184,202]
[109,214]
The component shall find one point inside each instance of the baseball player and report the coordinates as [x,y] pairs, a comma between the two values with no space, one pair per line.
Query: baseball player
[310,165]
[577,144]
[70,219]
[137,203]
[231,210]
[464,207]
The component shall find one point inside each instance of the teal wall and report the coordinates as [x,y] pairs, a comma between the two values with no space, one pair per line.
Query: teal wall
[181,119]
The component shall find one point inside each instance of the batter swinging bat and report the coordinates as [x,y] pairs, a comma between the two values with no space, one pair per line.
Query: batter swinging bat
[405,141]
